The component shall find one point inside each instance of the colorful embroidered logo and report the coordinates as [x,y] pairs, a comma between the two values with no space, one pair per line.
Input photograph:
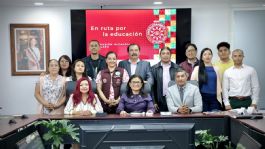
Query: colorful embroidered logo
[156,33]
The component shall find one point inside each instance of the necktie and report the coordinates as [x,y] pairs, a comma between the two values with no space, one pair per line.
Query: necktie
[181,93]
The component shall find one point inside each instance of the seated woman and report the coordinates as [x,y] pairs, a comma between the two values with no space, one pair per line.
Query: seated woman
[109,83]
[83,101]
[50,90]
[135,100]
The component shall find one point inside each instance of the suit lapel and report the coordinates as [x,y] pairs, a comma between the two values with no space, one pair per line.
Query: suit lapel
[128,67]
[185,94]
[178,96]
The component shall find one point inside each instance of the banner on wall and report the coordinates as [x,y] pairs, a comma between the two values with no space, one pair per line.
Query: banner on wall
[116,29]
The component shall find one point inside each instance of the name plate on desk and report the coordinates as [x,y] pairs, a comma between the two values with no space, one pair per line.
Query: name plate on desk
[249,116]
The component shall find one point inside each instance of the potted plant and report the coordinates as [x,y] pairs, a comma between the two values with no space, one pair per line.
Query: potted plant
[205,140]
[57,129]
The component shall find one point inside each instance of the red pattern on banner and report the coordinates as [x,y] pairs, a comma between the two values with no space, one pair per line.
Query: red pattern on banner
[162,11]
[173,17]
[124,18]
[167,23]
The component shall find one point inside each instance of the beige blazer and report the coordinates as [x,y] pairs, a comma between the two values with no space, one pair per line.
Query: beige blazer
[195,74]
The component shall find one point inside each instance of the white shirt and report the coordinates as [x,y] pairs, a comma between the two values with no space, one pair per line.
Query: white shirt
[71,78]
[241,82]
[133,67]
[82,106]
[37,52]
[166,77]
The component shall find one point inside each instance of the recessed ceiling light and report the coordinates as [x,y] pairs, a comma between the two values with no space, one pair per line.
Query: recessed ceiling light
[38,4]
[158,3]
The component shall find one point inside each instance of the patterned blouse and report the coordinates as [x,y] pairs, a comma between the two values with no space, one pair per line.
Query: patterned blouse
[51,90]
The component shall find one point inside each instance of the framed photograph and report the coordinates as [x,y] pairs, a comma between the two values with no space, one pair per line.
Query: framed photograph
[30,49]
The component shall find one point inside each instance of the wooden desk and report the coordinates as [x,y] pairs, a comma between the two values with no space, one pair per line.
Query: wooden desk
[10,134]
[7,129]
[219,123]
[254,128]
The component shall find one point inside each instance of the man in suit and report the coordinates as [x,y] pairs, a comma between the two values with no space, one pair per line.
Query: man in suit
[136,66]
[183,97]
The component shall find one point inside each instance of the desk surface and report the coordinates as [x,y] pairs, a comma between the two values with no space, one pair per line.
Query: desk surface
[7,129]
[116,116]
[257,124]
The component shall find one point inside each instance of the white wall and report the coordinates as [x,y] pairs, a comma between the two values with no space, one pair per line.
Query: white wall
[17,92]
[249,35]
[210,25]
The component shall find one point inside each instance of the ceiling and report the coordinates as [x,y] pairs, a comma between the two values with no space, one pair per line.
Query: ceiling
[131,3]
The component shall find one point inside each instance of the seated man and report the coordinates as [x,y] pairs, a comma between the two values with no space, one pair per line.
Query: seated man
[183,97]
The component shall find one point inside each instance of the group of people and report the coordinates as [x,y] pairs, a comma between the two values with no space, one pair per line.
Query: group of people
[97,84]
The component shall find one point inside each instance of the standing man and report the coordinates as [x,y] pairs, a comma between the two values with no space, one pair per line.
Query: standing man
[240,84]
[136,66]
[192,61]
[163,72]
[94,62]
[224,61]
[183,97]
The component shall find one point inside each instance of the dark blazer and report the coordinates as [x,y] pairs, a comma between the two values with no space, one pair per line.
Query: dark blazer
[157,89]
[90,69]
[143,69]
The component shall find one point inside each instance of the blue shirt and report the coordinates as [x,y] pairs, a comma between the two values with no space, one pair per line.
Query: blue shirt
[210,86]
[135,103]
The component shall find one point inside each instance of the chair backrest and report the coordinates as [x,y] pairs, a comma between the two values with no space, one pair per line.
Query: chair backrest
[70,87]
[193,82]
[171,83]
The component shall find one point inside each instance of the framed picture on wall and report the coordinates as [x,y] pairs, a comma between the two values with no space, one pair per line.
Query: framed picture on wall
[30,50]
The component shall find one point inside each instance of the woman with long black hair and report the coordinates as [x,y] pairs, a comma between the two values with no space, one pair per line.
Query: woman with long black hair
[209,82]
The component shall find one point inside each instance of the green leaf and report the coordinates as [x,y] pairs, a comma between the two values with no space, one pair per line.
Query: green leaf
[57,129]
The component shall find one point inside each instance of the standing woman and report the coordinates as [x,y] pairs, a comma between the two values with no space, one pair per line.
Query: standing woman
[78,71]
[65,66]
[209,81]
[135,100]
[109,82]
[50,90]
[83,101]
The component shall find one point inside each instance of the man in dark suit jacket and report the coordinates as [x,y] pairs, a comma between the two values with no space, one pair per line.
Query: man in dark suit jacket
[136,66]
[163,72]
[94,62]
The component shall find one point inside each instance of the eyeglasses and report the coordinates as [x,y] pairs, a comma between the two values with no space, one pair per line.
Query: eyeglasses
[136,82]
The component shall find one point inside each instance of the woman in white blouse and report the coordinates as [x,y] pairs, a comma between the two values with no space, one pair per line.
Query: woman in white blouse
[83,101]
